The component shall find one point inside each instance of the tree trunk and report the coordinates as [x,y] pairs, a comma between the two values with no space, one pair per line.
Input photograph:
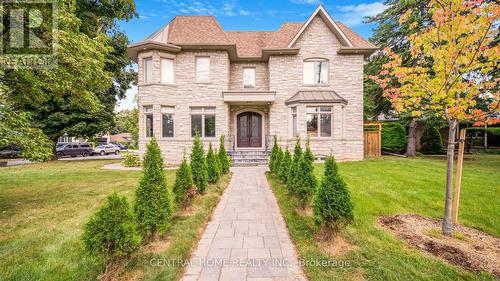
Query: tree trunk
[411,147]
[446,227]
[54,140]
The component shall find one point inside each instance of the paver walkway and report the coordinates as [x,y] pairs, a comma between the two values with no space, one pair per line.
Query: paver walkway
[247,238]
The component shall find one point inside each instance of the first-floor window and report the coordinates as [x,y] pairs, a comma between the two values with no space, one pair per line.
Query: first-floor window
[149,121]
[295,132]
[319,121]
[167,121]
[203,121]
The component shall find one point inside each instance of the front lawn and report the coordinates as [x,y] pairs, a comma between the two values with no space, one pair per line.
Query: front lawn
[389,186]
[44,206]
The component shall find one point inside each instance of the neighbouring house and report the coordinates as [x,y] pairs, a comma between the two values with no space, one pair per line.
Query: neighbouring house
[124,138]
[303,80]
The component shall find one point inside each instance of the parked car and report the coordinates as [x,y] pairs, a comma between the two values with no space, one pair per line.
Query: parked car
[105,149]
[73,149]
[10,153]
[121,146]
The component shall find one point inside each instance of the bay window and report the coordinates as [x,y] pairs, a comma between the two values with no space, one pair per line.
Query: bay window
[319,121]
[148,70]
[148,114]
[167,71]
[315,71]
[203,121]
[167,121]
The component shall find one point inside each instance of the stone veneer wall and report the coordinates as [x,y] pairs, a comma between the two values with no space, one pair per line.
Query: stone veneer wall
[261,76]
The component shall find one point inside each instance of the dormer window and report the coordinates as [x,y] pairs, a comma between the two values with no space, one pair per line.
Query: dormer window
[315,71]
[249,77]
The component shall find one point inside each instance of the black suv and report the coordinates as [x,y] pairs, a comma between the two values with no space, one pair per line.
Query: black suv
[73,149]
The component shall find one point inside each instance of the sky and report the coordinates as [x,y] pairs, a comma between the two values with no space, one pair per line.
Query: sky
[244,15]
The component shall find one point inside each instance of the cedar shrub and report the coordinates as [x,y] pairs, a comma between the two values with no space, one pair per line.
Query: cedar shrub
[305,181]
[297,154]
[183,183]
[223,157]
[286,162]
[431,141]
[213,172]
[274,154]
[199,165]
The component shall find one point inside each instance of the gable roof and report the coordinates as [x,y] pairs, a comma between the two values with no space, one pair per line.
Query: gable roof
[185,32]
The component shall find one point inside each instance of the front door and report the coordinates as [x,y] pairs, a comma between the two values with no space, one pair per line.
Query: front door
[249,130]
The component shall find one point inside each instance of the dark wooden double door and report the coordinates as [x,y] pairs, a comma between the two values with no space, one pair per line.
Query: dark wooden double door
[249,129]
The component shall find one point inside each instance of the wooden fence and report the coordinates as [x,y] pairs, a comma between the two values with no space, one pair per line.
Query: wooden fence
[373,139]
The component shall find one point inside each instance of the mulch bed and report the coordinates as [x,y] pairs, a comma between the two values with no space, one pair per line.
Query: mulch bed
[471,249]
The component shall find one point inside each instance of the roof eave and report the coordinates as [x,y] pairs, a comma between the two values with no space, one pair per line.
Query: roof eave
[357,51]
[342,101]
[134,49]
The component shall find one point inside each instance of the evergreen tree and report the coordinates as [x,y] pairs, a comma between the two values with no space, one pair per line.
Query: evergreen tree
[217,164]
[183,182]
[277,161]
[332,204]
[431,141]
[274,154]
[111,233]
[297,154]
[199,165]
[286,162]
[305,181]
[213,172]
[223,158]
[153,206]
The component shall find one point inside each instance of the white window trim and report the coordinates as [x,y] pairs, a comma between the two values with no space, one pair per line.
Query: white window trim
[145,114]
[202,113]
[254,77]
[173,117]
[161,70]
[197,80]
[145,77]
[319,122]
[309,60]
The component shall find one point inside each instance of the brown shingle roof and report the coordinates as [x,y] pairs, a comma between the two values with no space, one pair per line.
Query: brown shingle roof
[284,35]
[320,96]
[249,43]
[356,40]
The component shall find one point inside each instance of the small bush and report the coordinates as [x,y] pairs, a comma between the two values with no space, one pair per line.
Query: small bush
[131,160]
[394,137]
[153,206]
[225,163]
[286,162]
[277,161]
[212,169]
[297,155]
[305,181]
[274,154]
[199,165]
[332,204]
[183,183]
[431,141]
[218,164]
[111,233]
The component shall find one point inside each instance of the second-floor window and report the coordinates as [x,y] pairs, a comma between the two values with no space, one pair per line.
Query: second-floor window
[203,121]
[148,70]
[315,71]
[202,69]
[148,114]
[249,77]
[167,71]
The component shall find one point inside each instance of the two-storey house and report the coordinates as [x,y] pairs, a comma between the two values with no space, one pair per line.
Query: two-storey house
[304,80]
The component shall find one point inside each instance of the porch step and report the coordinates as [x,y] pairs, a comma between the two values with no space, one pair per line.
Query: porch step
[249,158]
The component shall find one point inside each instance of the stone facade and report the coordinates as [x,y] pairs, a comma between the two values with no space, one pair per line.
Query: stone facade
[282,74]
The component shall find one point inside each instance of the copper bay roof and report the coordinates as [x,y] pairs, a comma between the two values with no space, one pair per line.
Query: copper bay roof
[204,31]
[319,96]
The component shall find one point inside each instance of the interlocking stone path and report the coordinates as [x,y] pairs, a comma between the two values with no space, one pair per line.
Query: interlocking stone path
[247,238]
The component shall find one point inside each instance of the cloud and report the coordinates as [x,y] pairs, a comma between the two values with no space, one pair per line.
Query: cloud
[305,1]
[205,7]
[353,15]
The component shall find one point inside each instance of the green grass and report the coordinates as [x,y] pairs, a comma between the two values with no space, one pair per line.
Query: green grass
[44,206]
[389,186]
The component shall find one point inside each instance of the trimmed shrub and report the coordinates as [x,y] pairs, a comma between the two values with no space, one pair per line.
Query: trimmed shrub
[305,181]
[274,154]
[332,204]
[183,183]
[111,233]
[431,141]
[223,157]
[394,137]
[131,160]
[199,165]
[153,206]
[217,163]
[297,154]
[212,169]
[286,162]
[277,161]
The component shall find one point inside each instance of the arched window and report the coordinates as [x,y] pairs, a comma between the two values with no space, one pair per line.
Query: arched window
[315,71]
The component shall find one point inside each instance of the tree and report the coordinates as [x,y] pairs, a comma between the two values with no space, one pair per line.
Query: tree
[78,95]
[274,154]
[223,158]
[297,155]
[153,206]
[16,129]
[183,183]
[305,181]
[127,121]
[459,44]
[199,165]
[431,141]
[212,169]
[277,161]
[286,162]
[111,234]
[332,204]
[218,164]
[393,137]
